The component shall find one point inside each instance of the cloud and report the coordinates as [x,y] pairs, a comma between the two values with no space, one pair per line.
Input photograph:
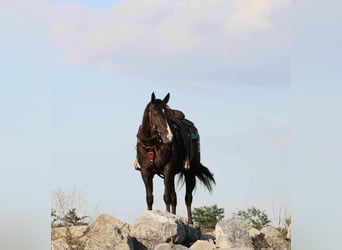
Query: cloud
[254,140]
[279,128]
[205,37]
[282,142]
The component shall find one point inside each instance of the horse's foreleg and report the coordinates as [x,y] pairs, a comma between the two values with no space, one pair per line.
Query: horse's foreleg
[173,195]
[148,181]
[190,181]
[170,197]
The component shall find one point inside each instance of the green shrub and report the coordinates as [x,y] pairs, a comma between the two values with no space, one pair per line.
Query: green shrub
[257,218]
[70,219]
[207,217]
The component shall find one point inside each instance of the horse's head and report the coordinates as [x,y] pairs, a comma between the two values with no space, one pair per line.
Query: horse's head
[157,117]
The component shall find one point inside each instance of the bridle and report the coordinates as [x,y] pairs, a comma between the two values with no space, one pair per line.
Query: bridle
[156,138]
[154,128]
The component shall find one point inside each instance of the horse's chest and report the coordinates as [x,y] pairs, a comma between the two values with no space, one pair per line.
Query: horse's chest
[154,156]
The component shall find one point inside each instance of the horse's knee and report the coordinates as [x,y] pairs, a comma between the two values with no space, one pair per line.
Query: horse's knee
[174,198]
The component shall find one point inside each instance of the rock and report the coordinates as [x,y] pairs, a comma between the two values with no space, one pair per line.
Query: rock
[274,238]
[233,233]
[288,235]
[61,232]
[203,245]
[67,237]
[253,233]
[207,236]
[239,248]
[106,232]
[156,227]
[168,246]
[59,244]
[192,233]
[158,230]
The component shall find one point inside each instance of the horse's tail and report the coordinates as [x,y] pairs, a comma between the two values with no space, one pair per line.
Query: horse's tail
[202,173]
[206,177]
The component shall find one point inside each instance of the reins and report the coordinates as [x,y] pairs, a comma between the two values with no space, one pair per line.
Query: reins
[150,150]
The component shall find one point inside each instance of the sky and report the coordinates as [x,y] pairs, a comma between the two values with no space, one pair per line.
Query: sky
[78,75]
[225,64]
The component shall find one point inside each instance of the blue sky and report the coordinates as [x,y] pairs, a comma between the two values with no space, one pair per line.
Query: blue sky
[94,4]
[95,67]
[229,74]
[77,77]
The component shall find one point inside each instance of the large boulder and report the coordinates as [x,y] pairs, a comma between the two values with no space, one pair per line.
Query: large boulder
[169,246]
[64,232]
[59,244]
[233,233]
[203,245]
[258,239]
[275,239]
[107,232]
[156,227]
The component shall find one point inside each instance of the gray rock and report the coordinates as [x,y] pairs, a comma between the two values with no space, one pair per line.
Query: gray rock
[156,227]
[233,233]
[274,239]
[67,237]
[107,232]
[289,231]
[203,245]
[168,246]
[63,232]
[158,230]
[59,244]
[207,236]
[253,232]
[258,239]
[237,248]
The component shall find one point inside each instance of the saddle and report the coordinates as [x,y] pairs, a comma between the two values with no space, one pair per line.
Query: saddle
[184,130]
[189,127]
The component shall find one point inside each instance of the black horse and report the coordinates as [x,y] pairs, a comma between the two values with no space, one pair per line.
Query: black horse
[161,151]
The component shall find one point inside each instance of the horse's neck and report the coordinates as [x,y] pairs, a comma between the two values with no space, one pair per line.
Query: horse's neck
[145,132]
[145,129]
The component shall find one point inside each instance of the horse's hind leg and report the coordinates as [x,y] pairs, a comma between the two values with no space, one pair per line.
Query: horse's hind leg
[148,181]
[190,181]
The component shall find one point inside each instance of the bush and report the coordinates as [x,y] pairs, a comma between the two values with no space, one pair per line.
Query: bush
[207,217]
[257,218]
[70,219]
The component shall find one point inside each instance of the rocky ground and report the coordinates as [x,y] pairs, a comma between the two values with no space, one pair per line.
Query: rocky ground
[157,230]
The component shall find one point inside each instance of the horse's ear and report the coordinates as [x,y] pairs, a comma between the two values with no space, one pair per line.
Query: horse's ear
[166,98]
[153,97]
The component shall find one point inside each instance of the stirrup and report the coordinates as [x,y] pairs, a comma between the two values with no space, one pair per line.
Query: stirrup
[187,164]
[136,164]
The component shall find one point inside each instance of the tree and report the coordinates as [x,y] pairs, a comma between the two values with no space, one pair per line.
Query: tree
[207,217]
[65,203]
[257,218]
[70,219]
